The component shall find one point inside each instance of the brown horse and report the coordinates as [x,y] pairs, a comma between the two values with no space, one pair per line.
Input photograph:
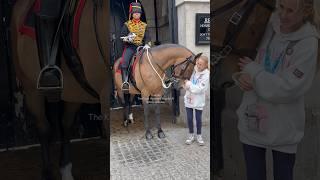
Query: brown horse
[97,73]
[150,69]
[247,34]
[242,25]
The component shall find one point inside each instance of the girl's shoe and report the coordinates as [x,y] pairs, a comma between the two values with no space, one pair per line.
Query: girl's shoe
[190,139]
[200,140]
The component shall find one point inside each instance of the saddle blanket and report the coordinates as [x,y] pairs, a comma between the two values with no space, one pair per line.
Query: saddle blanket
[28,26]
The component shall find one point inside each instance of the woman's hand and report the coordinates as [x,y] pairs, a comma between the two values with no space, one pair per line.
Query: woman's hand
[186,85]
[245,82]
[244,61]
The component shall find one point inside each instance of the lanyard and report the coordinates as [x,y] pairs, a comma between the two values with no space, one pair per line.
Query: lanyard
[195,81]
[268,65]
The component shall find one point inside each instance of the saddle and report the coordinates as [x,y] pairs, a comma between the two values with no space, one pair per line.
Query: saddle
[72,20]
[131,69]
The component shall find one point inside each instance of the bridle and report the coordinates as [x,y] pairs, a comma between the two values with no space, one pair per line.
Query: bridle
[184,66]
[191,60]
[236,23]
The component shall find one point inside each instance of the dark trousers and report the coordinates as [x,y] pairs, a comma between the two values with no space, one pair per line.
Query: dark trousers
[190,120]
[50,8]
[255,158]
[128,53]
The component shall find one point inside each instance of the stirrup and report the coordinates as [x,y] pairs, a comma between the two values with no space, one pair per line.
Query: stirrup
[125,86]
[53,93]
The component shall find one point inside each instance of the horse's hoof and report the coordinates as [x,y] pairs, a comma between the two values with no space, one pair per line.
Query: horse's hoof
[66,172]
[161,134]
[148,135]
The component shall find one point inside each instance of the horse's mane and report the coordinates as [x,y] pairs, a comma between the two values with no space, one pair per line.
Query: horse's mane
[164,46]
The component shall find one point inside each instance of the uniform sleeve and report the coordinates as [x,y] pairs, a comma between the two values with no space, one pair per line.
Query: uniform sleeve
[124,30]
[201,86]
[294,81]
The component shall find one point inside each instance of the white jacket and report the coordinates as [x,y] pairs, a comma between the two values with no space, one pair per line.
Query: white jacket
[278,98]
[196,89]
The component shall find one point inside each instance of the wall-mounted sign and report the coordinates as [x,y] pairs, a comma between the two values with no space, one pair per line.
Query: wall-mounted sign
[202,28]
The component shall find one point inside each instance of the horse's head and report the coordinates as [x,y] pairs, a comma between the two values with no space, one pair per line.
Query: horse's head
[241,28]
[183,70]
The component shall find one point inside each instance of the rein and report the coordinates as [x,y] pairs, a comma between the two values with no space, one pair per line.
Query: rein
[189,61]
[172,79]
[154,69]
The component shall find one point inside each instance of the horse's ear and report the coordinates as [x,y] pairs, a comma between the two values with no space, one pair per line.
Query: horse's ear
[197,56]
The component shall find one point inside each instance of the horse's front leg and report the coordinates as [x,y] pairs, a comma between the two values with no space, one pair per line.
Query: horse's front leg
[146,112]
[36,106]
[70,110]
[126,109]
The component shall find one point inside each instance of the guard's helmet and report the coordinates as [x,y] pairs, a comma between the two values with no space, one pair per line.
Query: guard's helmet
[135,7]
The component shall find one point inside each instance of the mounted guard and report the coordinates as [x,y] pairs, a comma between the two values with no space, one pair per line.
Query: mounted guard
[133,34]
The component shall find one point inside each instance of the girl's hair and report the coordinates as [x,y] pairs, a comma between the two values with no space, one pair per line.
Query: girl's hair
[311,9]
[205,59]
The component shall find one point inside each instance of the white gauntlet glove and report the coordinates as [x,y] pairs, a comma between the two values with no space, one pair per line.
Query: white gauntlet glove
[146,46]
[129,38]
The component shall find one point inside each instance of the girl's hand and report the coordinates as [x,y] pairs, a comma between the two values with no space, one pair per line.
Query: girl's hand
[244,61]
[186,84]
[245,82]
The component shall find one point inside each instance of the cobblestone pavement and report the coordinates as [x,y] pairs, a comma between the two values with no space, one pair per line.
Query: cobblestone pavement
[132,157]
[88,162]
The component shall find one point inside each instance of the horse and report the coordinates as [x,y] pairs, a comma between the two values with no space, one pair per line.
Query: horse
[96,70]
[238,27]
[149,74]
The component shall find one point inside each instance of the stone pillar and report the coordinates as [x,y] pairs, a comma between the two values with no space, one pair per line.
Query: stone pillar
[186,12]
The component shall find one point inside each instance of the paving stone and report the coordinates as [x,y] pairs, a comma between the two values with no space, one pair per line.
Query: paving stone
[163,159]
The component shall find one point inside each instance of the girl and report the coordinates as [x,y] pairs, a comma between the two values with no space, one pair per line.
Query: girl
[194,98]
[271,114]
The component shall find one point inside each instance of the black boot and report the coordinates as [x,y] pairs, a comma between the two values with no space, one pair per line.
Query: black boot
[50,76]
[148,135]
[161,134]
[125,83]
